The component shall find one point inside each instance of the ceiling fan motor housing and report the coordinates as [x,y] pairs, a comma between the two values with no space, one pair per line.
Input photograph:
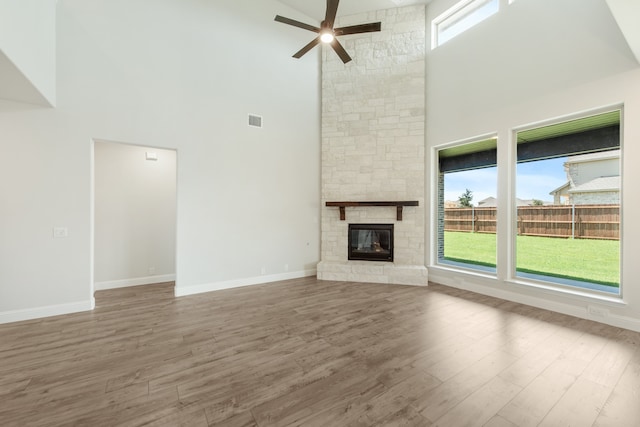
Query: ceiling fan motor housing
[327,33]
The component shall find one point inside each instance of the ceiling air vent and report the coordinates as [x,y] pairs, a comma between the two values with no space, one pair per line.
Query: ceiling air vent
[255,121]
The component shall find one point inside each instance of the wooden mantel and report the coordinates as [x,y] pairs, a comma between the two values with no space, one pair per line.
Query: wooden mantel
[398,205]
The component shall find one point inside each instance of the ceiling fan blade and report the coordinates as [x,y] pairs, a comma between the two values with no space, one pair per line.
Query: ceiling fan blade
[296,23]
[357,29]
[330,15]
[335,44]
[307,48]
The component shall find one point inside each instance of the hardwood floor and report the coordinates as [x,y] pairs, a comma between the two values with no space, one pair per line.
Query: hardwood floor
[313,353]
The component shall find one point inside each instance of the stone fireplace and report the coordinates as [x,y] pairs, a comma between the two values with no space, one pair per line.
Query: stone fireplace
[373,147]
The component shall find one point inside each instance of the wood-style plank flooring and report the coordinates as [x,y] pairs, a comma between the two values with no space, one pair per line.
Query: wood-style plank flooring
[313,353]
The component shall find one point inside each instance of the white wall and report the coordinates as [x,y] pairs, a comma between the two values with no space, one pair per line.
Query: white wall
[535,61]
[173,74]
[28,51]
[135,215]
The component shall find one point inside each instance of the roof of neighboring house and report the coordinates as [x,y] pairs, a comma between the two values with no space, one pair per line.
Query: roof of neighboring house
[604,183]
[492,201]
[489,201]
[590,157]
[564,186]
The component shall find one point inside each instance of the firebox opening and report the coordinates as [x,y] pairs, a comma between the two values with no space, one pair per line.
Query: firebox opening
[371,242]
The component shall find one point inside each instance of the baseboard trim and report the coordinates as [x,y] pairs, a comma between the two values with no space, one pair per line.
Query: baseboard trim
[125,283]
[46,311]
[181,291]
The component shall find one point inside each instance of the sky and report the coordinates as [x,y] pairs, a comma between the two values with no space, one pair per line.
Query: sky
[534,180]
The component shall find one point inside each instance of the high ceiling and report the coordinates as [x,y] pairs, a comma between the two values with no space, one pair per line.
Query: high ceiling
[627,12]
[316,8]
[624,11]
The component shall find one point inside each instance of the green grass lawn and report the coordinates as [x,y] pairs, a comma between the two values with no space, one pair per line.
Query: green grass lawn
[595,261]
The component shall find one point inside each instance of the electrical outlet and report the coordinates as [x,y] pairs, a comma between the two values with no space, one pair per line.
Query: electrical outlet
[286,267]
[152,270]
[263,270]
[597,311]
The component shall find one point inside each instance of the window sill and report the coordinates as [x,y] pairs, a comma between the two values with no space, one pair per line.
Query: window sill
[555,289]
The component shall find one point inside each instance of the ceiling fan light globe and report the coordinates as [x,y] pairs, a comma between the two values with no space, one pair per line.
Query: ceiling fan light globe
[326,37]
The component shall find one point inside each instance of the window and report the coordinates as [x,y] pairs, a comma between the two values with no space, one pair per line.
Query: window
[568,203]
[460,18]
[467,188]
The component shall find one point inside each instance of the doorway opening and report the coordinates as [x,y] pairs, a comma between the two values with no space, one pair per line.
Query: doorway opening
[133,215]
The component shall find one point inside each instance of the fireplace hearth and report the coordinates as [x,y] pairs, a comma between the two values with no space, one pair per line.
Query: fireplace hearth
[370,242]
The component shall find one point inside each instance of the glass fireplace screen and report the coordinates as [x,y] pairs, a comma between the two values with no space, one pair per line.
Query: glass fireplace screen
[371,242]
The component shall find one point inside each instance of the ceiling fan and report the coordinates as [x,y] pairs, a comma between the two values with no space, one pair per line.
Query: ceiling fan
[326,32]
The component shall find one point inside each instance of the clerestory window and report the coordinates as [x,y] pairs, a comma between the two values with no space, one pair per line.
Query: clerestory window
[460,18]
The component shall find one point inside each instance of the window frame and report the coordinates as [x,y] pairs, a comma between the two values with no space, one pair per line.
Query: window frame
[549,285]
[438,204]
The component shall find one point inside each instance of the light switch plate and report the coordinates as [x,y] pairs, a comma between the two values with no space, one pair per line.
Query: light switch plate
[60,232]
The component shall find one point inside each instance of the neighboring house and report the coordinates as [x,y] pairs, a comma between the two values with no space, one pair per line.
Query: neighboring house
[492,202]
[488,202]
[591,179]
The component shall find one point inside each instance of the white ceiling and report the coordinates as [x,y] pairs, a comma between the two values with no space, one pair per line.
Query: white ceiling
[316,8]
[16,86]
[626,13]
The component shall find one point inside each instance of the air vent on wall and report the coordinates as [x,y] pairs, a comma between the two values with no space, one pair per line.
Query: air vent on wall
[255,121]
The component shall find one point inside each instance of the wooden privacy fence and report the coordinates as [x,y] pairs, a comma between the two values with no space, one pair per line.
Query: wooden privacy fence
[574,221]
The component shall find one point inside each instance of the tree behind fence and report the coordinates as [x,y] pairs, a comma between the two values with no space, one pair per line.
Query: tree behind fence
[577,221]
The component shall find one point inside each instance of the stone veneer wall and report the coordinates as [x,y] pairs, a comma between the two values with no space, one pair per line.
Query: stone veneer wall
[373,144]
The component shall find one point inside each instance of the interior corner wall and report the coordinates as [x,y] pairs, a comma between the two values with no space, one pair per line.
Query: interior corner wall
[536,61]
[248,198]
[135,215]
[28,51]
